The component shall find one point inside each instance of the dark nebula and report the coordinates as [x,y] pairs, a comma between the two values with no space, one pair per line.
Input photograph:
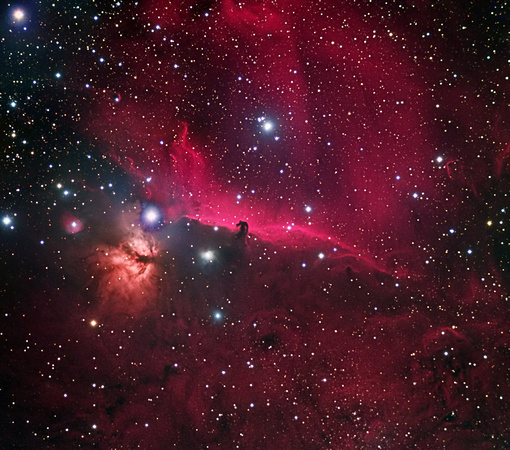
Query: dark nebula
[255,224]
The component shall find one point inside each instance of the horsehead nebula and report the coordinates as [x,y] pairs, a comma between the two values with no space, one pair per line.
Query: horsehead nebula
[256,224]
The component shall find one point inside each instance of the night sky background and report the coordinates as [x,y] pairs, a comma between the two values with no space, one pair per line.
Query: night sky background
[366,144]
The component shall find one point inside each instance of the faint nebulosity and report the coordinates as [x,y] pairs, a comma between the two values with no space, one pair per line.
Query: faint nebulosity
[260,224]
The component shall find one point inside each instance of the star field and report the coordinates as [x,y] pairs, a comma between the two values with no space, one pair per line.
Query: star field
[254,224]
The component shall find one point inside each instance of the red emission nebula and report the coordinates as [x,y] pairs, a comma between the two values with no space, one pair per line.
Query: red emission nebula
[258,225]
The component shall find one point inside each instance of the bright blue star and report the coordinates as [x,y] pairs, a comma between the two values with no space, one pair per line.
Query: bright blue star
[151,215]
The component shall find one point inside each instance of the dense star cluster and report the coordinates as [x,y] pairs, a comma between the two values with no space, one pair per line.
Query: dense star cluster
[255,224]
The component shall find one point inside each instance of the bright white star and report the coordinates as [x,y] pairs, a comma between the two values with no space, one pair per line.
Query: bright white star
[18,14]
[151,216]
[208,255]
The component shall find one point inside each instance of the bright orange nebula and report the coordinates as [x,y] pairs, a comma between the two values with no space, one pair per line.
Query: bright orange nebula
[126,276]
